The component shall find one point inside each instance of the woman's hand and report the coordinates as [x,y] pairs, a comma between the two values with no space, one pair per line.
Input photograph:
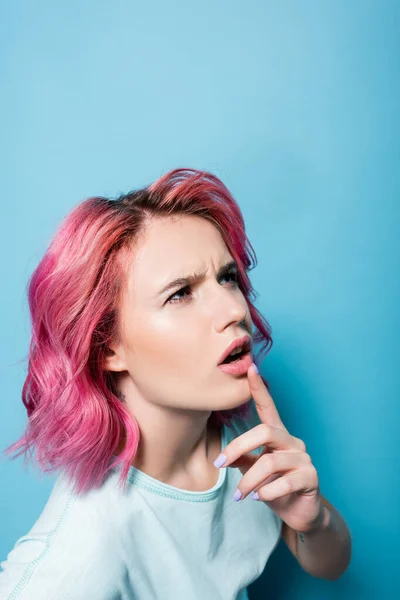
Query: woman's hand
[283,474]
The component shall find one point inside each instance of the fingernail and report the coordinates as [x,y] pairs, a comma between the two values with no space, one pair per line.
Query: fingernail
[220,460]
[237,495]
[255,496]
[255,368]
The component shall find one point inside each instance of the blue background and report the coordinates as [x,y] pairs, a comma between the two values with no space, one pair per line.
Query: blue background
[294,105]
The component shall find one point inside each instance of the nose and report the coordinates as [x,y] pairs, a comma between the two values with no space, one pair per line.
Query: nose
[230,308]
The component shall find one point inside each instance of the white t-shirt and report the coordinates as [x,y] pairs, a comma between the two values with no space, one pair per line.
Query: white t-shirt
[155,542]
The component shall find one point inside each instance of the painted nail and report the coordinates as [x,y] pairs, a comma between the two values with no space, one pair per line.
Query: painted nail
[255,368]
[220,460]
[255,496]
[237,495]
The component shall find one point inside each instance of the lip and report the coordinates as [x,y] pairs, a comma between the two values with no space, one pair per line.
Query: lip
[235,344]
[238,367]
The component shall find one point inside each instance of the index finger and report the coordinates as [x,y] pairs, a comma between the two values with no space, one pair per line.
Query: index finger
[263,401]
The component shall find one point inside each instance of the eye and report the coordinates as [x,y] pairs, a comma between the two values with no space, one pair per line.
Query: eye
[173,300]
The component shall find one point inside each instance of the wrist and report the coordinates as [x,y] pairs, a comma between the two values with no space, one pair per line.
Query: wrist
[320,524]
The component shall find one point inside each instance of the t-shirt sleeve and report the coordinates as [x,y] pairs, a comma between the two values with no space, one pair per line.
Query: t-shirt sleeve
[65,556]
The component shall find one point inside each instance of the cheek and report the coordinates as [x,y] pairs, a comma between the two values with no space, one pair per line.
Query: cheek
[162,345]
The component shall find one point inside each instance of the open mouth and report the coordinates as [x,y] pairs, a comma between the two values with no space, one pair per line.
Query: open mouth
[237,364]
[238,352]
[238,361]
[231,358]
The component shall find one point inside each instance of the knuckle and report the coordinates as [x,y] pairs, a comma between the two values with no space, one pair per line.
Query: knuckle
[301,445]
[238,449]
[267,431]
[288,485]
[314,472]
[307,458]
[268,460]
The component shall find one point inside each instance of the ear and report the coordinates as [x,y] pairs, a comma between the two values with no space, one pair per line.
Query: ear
[114,360]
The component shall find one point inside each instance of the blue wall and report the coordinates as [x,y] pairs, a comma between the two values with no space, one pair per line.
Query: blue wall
[295,106]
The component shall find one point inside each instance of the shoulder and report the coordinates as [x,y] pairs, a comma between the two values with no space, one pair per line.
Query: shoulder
[69,551]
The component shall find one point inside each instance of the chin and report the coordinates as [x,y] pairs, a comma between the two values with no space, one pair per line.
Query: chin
[234,400]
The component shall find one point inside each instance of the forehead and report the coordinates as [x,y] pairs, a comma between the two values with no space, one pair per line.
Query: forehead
[173,247]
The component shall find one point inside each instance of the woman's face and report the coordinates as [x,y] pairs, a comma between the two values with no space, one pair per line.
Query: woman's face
[171,341]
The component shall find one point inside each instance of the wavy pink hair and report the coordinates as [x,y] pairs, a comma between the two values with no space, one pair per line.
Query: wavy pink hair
[75,418]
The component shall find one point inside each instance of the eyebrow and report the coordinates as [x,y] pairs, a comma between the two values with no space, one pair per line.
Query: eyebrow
[193,278]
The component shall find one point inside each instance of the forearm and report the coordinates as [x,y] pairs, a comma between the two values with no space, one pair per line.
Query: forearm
[326,551]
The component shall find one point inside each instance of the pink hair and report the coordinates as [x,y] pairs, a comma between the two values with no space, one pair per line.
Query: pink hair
[75,417]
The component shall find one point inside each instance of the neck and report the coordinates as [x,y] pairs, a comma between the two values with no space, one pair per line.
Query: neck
[176,446]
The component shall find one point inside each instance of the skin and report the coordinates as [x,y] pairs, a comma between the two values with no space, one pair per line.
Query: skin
[166,358]
[288,482]
[166,365]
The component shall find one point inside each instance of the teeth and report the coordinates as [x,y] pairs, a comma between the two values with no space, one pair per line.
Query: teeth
[236,351]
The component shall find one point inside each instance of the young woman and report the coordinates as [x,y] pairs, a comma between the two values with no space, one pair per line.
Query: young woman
[134,391]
